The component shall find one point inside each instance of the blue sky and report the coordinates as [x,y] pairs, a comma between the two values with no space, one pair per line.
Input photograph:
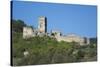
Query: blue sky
[67,18]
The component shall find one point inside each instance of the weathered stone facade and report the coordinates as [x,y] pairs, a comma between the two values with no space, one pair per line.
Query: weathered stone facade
[73,38]
[27,32]
[42,26]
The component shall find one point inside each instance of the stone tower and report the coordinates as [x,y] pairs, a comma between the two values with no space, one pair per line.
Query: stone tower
[42,26]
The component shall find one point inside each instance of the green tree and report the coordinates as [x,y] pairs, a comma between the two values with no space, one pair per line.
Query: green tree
[17,25]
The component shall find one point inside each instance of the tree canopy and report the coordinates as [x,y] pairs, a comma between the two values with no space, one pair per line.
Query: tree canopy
[17,25]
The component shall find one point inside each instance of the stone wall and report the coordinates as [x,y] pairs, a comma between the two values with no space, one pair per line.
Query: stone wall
[73,38]
[27,32]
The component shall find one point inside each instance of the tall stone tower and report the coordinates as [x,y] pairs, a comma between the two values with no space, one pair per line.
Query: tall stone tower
[42,26]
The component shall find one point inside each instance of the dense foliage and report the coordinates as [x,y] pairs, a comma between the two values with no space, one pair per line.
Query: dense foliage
[93,40]
[46,50]
[17,25]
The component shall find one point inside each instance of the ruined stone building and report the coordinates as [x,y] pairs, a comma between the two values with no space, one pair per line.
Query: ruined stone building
[42,26]
[42,30]
[70,38]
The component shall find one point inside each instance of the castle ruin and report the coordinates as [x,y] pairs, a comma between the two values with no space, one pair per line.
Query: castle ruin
[42,30]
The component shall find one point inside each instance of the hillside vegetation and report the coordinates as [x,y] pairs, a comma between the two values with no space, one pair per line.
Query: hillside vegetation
[46,50]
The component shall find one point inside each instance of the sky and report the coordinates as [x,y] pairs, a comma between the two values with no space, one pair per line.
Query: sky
[66,18]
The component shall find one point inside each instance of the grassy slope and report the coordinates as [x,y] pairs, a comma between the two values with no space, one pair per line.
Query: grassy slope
[46,50]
